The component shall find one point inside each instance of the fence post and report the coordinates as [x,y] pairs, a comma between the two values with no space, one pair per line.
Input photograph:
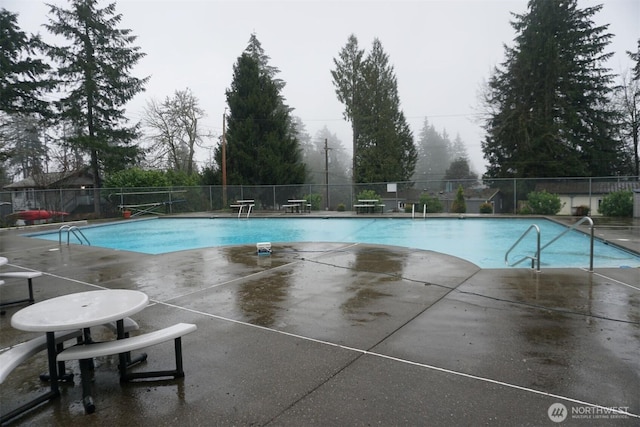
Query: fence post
[515,196]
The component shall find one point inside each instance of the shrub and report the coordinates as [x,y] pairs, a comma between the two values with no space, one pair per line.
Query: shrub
[340,207]
[368,195]
[136,177]
[314,199]
[619,203]
[459,205]
[486,208]
[543,203]
[525,210]
[582,210]
[434,205]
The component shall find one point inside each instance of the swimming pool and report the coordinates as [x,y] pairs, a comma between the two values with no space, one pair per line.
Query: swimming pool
[482,241]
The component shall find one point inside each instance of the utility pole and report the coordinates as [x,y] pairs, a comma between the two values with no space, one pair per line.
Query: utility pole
[326,171]
[224,159]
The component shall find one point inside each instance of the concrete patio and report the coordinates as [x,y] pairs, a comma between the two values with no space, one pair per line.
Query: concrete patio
[342,334]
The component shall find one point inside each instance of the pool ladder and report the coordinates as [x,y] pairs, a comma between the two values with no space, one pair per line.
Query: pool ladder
[72,229]
[535,259]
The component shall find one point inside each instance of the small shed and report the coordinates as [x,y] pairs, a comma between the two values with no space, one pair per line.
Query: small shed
[60,191]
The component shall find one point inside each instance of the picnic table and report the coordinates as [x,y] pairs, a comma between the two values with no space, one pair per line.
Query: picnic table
[299,205]
[241,204]
[368,206]
[81,310]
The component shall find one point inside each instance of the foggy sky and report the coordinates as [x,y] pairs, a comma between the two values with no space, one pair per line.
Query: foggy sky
[442,52]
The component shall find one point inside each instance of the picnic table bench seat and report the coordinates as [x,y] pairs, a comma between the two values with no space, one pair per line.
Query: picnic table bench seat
[14,356]
[29,275]
[364,207]
[125,345]
[303,207]
[17,354]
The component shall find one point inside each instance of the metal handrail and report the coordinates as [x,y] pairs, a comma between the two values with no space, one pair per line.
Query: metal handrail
[533,259]
[583,219]
[72,229]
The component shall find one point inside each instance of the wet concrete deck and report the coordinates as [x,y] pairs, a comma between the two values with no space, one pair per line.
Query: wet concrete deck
[342,334]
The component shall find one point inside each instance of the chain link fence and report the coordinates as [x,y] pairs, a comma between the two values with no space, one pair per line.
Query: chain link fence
[578,196]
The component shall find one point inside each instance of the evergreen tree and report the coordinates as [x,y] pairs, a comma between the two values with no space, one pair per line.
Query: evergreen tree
[318,160]
[95,67]
[630,94]
[29,154]
[254,49]
[23,78]
[261,143]
[459,204]
[384,149]
[338,158]
[458,149]
[459,170]
[548,101]
[24,82]
[347,78]
[635,56]
[433,154]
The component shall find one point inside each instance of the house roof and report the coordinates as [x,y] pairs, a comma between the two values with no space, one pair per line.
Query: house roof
[412,194]
[54,180]
[586,187]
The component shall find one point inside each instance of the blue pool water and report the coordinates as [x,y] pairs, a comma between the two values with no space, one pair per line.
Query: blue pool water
[481,241]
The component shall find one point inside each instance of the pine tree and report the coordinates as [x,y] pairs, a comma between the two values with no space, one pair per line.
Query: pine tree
[95,67]
[548,101]
[261,143]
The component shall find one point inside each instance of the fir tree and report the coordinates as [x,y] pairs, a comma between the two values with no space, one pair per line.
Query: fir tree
[548,101]
[23,77]
[94,67]
[261,144]
[433,154]
[383,142]
[347,78]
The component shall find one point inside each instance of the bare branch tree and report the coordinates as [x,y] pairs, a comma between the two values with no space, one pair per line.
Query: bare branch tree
[173,129]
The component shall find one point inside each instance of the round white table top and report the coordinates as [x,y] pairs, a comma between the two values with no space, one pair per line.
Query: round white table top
[79,310]
[3,260]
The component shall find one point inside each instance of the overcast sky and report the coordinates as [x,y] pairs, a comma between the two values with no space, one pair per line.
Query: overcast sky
[442,52]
